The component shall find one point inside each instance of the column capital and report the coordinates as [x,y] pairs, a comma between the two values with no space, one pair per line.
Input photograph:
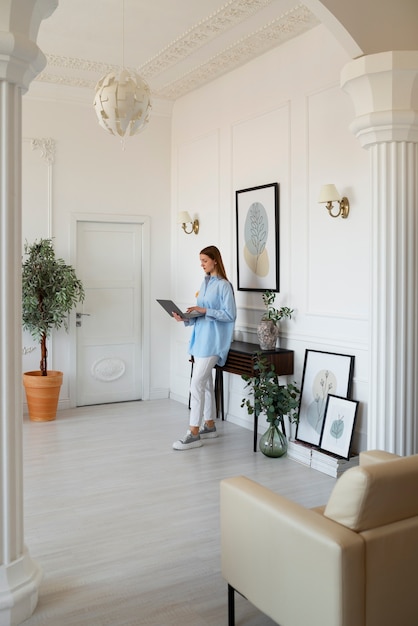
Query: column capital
[20,58]
[384,90]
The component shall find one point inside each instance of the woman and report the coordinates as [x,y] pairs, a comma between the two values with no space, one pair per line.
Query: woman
[209,345]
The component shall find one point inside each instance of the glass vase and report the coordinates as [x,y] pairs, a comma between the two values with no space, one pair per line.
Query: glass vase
[273,443]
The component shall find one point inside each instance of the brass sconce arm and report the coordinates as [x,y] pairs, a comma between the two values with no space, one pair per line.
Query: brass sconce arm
[194,227]
[184,219]
[328,195]
[344,209]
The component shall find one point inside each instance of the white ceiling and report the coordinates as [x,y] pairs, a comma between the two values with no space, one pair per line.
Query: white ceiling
[176,45]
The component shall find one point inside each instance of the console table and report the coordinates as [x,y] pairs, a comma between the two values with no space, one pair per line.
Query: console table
[240,361]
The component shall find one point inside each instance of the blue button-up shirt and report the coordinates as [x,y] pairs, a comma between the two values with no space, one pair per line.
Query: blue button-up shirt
[212,333]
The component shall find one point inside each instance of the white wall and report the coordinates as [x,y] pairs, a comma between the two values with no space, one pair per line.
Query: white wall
[281,118]
[93,173]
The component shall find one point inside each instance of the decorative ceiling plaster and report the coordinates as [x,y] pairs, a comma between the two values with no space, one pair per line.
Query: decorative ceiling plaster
[294,23]
[210,49]
[227,17]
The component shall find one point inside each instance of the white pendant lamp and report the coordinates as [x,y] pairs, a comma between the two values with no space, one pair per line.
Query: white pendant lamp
[123,100]
[122,103]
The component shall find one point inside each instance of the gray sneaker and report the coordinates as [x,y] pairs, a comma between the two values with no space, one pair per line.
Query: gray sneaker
[207,432]
[188,442]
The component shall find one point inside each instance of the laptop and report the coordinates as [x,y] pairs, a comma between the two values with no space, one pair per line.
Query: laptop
[170,307]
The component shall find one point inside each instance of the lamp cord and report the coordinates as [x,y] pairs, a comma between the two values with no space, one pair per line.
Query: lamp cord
[123,34]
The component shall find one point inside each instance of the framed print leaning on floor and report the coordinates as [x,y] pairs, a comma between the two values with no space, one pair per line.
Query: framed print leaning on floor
[338,427]
[257,211]
[323,373]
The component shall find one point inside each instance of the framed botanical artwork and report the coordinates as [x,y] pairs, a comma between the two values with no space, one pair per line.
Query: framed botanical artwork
[257,211]
[338,426]
[323,373]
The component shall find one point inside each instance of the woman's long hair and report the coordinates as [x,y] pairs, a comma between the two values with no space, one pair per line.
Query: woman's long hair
[213,253]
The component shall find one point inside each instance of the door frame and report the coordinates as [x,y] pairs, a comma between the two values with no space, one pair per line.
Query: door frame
[145,222]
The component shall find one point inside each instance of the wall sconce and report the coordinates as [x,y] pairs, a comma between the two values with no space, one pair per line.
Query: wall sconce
[329,194]
[184,218]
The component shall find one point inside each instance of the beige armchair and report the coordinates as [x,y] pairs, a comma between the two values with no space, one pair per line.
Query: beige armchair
[353,562]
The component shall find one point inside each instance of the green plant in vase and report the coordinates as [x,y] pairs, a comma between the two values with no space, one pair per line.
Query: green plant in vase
[50,290]
[268,328]
[273,400]
[272,313]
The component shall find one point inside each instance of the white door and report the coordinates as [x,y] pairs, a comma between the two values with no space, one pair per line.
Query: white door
[109,324]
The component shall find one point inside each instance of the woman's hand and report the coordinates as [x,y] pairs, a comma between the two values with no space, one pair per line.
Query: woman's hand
[200,309]
[177,317]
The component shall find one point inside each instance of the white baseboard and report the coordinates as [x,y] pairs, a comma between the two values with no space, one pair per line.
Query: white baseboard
[159,393]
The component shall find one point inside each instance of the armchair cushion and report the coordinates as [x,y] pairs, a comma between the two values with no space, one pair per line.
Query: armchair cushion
[360,497]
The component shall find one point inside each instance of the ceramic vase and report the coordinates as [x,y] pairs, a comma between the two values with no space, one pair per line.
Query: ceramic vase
[267,334]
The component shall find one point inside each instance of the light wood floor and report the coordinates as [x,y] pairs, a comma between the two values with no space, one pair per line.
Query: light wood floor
[126,529]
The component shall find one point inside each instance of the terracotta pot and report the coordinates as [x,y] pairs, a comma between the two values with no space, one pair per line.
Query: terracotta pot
[42,394]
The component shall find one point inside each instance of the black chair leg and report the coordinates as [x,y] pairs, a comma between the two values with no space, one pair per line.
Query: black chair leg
[231,606]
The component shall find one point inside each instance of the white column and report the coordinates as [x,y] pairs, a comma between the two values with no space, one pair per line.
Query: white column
[384,91]
[20,61]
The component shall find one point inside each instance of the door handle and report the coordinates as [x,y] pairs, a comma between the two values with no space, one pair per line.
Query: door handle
[78,318]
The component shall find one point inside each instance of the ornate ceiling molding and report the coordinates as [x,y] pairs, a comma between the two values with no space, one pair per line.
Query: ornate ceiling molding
[290,25]
[225,18]
[80,65]
[75,72]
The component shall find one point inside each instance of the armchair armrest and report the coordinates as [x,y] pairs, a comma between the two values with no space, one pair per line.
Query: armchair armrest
[295,565]
[370,457]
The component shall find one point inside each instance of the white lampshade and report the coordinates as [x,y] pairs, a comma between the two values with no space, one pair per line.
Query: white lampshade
[122,103]
[329,193]
[183,217]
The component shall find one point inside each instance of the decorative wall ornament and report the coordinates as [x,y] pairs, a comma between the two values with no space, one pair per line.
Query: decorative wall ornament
[47,148]
[26,350]
[108,370]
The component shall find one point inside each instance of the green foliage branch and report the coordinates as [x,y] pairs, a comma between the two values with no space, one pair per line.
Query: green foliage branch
[272,313]
[268,396]
[50,290]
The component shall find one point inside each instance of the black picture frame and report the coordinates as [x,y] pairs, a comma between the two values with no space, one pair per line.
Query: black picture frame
[323,373]
[258,238]
[338,426]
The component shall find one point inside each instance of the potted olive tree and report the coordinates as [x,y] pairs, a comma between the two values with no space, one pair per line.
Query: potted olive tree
[273,400]
[268,327]
[50,290]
